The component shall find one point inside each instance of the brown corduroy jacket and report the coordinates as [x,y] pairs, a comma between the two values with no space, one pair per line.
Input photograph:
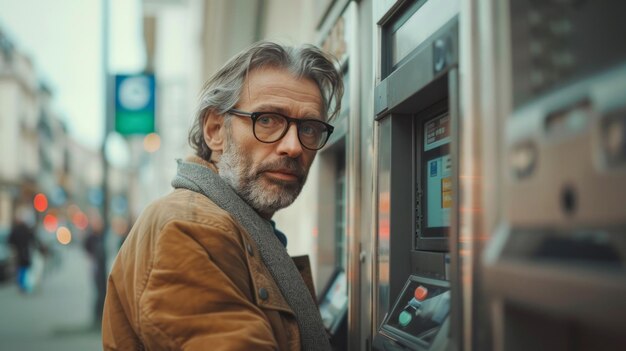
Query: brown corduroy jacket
[189,277]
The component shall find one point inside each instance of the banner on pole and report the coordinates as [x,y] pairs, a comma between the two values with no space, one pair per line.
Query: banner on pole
[135,104]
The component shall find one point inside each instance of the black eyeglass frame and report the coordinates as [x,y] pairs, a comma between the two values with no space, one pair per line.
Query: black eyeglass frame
[298,121]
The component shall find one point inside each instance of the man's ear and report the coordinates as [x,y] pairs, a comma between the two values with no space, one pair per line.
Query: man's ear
[214,132]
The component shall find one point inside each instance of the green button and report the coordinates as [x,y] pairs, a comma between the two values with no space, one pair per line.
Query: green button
[405,318]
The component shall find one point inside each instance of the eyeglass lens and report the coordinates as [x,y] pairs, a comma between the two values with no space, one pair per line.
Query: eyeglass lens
[271,127]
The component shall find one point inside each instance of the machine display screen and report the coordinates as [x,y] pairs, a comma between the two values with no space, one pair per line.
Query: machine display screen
[334,304]
[419,311]
[436,177]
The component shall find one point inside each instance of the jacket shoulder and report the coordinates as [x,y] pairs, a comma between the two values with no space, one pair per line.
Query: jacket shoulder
[188,206]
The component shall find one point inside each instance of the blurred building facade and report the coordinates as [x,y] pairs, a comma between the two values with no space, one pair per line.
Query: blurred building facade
[40,157]
[19,117]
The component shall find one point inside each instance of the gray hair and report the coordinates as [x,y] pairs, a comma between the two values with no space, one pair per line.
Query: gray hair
[222,91]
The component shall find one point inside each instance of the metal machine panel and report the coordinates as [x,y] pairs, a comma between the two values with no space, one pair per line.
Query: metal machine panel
[556,261]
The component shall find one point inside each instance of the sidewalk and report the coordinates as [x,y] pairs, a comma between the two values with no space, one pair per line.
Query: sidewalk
[58,315]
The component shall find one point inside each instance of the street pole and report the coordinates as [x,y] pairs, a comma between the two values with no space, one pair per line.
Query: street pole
[101,271]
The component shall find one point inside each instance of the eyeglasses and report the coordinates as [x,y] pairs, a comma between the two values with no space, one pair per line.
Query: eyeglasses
[269,127]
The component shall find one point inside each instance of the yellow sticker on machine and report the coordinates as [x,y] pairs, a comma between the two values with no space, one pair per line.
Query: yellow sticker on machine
[446,192]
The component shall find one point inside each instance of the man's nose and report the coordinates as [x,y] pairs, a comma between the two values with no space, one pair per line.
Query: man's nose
[290,144]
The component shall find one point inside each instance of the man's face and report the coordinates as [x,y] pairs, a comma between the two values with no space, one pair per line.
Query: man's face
[269,176]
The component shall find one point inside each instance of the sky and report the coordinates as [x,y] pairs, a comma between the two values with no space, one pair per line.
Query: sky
[63,38]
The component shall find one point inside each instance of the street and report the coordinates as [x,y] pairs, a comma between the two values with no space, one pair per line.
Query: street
[58,315]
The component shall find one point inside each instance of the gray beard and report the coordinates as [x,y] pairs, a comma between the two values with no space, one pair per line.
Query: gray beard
[264,194]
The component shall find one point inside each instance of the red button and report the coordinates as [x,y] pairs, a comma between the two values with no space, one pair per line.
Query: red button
[420,293]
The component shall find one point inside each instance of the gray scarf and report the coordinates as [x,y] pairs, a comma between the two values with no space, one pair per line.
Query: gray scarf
[200,179]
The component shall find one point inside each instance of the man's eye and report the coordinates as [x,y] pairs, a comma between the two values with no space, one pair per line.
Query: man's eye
[267,120]
[311,129]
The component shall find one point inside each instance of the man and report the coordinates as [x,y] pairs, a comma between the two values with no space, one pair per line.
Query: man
[203,268]
[24,241]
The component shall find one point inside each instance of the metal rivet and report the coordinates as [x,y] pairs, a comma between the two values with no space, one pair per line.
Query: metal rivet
[263,294]
[249,248]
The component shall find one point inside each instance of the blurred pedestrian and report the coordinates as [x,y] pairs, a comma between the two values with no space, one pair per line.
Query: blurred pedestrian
[204,268]
[94,245]
[23,240]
